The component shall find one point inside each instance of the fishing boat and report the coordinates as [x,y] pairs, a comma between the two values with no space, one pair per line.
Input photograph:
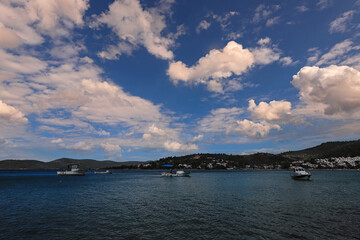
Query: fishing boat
[103,172]
[300,173]
[73,170]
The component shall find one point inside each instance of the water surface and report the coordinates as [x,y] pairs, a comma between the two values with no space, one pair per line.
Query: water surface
[207,205]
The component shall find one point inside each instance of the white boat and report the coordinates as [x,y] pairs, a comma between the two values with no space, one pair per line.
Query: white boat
[179,173]
[300,173]
[103,172]
[73,170]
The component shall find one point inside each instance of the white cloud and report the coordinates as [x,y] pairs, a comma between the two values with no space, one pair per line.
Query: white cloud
[339,53]
[197,138]
[217,64]
[137,27]
[215,69]
[10,114]
[180,147]
[20,63]
[233,36]
[155,130]
[9,39]
[265,53]
[264,41]
[220,120]
[58,140]
[108,147]
[302,8]
[333,90]
[253,129]
[113,52]
[272,21]
[322,4]
[286,61]
[314,55]
[274,110]
[263,12]
[147,136]
[341,23]
[224,20]
[52,15]
[82,146]
[29,19]
[203,25]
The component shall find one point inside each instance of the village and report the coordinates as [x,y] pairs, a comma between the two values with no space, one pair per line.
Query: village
[207,163]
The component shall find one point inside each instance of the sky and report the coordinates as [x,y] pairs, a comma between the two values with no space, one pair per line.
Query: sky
[131,80]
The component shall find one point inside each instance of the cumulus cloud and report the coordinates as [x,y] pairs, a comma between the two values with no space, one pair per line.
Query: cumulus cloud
[332,90]
[255,129]
[273,110]
[341,23]
[9,114]
[217,64]
[137,27]
[217,67]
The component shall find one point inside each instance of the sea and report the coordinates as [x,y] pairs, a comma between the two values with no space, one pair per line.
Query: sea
[140,204]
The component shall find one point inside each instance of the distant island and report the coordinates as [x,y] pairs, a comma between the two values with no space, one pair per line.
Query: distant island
[330,155]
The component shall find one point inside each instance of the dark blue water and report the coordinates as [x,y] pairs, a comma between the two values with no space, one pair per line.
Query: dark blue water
[207,205]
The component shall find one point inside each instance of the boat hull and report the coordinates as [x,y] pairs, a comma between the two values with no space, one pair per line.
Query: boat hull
[70,173]
[177,174]
[301,177]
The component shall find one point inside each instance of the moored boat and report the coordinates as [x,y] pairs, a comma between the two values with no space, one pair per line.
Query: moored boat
[179,173]
[73,170]
[300,173]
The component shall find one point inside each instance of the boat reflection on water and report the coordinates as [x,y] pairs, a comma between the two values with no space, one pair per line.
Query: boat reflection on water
[103,172]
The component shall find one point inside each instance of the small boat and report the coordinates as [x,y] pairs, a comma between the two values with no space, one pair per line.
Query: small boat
[73,170]
[179,173]
[103,172]
[300,173]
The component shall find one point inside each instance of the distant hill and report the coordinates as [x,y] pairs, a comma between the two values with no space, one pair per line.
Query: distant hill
[326,150]
[62,163]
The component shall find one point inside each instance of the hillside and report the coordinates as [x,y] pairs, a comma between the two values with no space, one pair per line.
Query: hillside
[326,150]
[202,160]
[61,163]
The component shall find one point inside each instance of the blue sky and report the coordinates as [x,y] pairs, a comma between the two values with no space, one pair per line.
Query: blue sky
[140,80]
